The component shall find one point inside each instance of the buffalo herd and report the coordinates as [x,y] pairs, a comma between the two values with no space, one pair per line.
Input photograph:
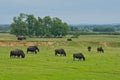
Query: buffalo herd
[99,49]
[34,49]
[20,53]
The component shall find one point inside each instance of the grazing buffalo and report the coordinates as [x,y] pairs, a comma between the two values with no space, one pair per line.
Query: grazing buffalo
[100,49]
[21,38]
[33,49]
[17,52]
[69,39]
[60,51]
[89,48]
[78,56]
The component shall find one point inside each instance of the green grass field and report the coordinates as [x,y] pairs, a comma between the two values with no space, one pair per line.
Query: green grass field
[46,66]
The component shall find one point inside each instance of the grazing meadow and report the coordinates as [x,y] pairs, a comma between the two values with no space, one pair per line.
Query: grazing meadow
[46,66]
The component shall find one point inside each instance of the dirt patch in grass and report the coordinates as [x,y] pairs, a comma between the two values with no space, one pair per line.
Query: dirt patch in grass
[25,43]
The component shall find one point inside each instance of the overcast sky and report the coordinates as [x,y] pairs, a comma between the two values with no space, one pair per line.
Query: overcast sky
[70,11]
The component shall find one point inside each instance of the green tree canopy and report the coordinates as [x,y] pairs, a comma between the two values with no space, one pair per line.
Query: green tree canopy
[27,24]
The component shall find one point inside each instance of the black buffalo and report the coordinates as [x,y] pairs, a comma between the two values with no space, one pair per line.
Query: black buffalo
[89,48]
[60,51]
[33,49]
[17,52]
[69,39]
[21,38]
[78,56]
[100,49]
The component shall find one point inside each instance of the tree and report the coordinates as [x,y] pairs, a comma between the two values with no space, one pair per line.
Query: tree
[47,26]
[39,27]
[18,27]
[65,29]
[31,22]
[59,28]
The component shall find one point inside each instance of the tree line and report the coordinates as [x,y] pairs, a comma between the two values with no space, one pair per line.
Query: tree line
[4,28]
[108,28]
[29,25]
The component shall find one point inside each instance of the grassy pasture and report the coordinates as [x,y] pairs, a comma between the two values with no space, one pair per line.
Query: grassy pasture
[46,66]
